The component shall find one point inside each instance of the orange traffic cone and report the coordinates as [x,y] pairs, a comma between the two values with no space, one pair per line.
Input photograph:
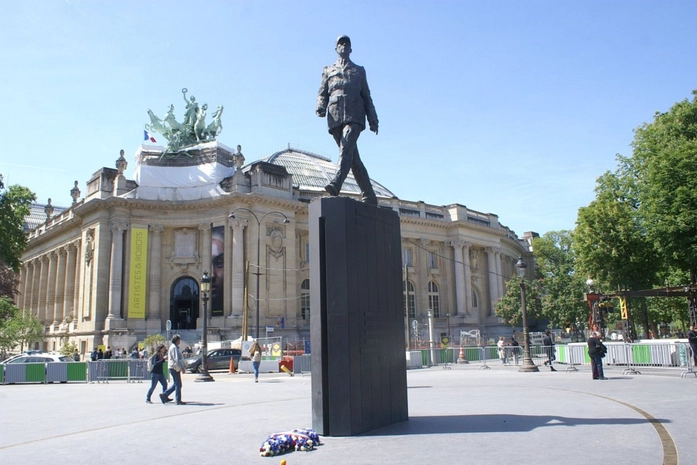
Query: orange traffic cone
[232,367]
[462,358]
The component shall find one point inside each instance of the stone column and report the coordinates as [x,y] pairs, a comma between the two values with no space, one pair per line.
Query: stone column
[69,301]
[493,287]
[499,276]
[154,268]
[51,289]
[35,283]
[468,277]
[460,302]
[60,286]
[26,287]
[78,267]
[116,270]
[238,225]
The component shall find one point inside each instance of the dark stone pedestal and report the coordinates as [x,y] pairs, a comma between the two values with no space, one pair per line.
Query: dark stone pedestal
[359,380]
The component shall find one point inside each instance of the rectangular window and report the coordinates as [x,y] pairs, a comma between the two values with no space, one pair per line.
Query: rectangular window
[434,305]
[408,258]
[432,263]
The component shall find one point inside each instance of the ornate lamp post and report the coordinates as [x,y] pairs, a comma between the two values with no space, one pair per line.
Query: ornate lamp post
[528,364]
[258,273]
[203,375]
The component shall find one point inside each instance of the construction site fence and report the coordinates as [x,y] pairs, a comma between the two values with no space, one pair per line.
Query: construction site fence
[101,371]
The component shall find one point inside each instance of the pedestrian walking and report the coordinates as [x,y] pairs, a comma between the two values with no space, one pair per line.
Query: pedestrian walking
[692,339]
[157,375]
[501,347]
[176,368]
[255,355]
[548,344]
[596,351]
[515,349]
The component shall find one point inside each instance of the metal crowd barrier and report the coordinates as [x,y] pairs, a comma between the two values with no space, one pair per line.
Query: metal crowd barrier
[61,372]
[130,370]
[302,364]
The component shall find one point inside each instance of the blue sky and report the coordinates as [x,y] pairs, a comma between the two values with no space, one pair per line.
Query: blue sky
[509,107]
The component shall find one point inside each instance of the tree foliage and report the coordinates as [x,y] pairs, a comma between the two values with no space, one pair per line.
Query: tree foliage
[664,164]
[26,330]
[152,341]
[562,288]
[15,203]
[509,307]
[610,240]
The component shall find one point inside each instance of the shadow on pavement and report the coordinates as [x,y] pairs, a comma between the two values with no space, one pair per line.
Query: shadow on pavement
[494,424]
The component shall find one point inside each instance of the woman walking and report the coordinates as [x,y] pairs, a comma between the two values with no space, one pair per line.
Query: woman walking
[255,355]
[157,374]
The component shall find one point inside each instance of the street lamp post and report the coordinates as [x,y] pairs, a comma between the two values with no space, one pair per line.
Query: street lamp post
[203,375]
[528,365]
[258,273]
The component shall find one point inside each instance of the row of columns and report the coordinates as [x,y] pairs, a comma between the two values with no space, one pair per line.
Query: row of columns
[463,275]
[47,284]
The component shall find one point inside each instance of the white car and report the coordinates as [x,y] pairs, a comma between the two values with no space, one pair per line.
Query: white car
[37,358]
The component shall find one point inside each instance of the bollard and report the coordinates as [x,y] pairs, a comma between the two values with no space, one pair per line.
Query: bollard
[232,366]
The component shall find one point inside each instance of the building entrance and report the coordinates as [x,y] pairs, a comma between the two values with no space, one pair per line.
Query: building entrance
[183,303]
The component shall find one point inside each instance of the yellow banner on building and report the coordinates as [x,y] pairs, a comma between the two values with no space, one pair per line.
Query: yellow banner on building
[138,273]
[623,308]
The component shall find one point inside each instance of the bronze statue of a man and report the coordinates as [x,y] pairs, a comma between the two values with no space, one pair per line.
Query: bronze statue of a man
[344,97]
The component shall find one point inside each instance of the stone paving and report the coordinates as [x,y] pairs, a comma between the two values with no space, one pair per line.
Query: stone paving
[460,415]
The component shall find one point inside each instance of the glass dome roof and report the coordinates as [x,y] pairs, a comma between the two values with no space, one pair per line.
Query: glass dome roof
[311,172]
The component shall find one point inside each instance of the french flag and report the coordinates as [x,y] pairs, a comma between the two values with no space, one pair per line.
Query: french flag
[147,136]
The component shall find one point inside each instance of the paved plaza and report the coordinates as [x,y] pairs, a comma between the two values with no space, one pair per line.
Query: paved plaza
[461,415]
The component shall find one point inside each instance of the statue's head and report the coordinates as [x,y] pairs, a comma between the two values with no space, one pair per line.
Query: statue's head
[343,45]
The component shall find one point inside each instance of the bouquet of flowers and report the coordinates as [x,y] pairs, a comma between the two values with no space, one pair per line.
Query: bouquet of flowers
[298,439]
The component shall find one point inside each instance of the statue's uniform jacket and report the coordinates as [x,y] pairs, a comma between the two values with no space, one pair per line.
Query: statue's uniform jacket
[345,96]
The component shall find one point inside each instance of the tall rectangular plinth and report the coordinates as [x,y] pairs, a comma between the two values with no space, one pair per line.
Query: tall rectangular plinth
[359,380]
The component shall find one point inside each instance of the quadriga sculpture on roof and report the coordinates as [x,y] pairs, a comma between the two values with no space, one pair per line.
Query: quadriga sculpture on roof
[193,130]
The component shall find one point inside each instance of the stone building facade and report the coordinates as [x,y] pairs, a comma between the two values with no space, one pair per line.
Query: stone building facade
[122,261]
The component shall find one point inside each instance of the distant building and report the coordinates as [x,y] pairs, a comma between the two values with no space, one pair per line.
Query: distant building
[121,262]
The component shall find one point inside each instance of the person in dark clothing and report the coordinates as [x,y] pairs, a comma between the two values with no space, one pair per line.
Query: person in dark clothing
[596,351]
[692,339]
[157,374]
[515,349]
[548,346]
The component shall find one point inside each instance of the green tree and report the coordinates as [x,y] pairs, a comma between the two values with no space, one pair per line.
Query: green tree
[611,241]
[68,348]
[562,288]
[8,312]
[15,204]
[27,329]
[664,163]
[152,341]
[509,307]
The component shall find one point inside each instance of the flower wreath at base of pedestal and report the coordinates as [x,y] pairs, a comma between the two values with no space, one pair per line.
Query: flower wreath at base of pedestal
[298,439]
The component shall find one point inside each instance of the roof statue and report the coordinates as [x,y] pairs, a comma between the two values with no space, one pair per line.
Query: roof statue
[193,130]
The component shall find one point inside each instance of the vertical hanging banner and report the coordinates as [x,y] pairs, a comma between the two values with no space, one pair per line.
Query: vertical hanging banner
[138,273]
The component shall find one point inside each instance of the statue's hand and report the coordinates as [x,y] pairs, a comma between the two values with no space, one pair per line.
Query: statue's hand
[321,112]
[374,128]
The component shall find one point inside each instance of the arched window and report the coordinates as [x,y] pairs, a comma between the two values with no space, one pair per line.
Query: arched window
[475,304]
[305,300]
[433,299]
[409,296]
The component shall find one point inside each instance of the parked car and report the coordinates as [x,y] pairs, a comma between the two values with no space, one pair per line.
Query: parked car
[37,358]
[217,359]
